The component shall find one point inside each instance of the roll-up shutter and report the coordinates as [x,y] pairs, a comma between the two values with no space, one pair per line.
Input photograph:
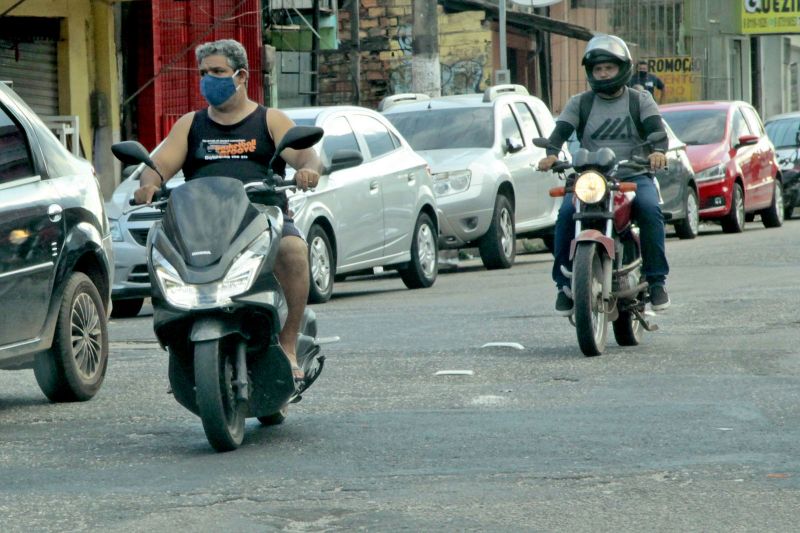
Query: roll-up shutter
[29,59]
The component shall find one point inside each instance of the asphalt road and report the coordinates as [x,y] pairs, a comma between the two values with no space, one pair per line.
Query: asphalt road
[697,429]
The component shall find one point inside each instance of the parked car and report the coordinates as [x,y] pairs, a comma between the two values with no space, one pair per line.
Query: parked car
[735,167]
[55,258]
[480,150]
[677,185]
[373,207]
[784,132]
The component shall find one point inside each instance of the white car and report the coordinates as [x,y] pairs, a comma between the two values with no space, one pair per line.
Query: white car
[480,150]
[374,207]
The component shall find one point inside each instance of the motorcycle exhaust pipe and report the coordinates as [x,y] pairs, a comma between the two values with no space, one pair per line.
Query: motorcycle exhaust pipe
[630,293]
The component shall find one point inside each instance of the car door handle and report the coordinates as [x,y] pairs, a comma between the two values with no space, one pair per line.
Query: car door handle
[408,177]
[373,185]
[54,212]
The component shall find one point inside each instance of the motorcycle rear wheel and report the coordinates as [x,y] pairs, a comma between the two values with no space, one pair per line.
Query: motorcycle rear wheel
[627,329]
[222,415]
[591,320]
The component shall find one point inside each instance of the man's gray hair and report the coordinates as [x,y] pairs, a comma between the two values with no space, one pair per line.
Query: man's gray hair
[233,51]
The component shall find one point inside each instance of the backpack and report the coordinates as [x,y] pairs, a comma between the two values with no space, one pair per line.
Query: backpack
[587,100]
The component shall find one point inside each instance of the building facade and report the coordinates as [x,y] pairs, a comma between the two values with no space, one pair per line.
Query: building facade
[60,56]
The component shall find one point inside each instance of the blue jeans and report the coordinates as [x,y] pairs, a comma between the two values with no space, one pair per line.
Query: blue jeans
[647,214]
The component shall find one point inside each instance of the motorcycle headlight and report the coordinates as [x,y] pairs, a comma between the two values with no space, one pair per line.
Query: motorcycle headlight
[717,172]
[116,231]
[590,187]
[238,279]
[445,183]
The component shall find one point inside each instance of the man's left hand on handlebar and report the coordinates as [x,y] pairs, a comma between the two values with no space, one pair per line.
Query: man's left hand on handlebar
[657,160]
[306,178]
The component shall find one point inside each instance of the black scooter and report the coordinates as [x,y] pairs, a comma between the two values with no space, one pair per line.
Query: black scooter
[218,308]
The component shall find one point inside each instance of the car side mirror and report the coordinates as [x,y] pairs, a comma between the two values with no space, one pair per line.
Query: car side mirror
[747,140]
[343,159]
[128,170]
[513,145]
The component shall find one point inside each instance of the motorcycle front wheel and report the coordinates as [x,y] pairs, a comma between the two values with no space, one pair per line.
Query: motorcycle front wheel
[214,374]
[591,321]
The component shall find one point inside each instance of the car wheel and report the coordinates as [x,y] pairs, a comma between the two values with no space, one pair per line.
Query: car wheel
[734,220]
[499,246]
[689,227]
[321,266]
[420,273]
[74,367]
[126,308]
[772,217]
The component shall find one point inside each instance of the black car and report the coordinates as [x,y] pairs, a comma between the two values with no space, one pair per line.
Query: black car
[677,185]
[784,132]
[55,258]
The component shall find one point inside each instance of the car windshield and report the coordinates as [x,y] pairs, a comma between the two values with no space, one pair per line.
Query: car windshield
[697,126]
[304,121]
[783,133]
[440,129]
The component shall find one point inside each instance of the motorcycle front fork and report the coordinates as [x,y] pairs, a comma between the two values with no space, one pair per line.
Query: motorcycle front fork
[241,384]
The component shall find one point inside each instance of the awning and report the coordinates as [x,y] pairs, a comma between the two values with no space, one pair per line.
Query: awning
[519,18]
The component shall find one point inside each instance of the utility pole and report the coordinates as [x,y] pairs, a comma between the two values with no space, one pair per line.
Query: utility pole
[355,49]
[426,74]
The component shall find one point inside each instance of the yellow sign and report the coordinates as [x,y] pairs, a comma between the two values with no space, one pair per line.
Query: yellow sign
[770,16]
[678,74]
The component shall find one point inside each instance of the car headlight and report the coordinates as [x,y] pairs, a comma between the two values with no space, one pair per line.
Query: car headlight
[445,183]
[590,187]
[116,230]
[717,172]
[238,279]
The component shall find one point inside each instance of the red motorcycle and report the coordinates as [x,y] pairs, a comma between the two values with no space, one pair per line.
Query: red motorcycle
[606,277]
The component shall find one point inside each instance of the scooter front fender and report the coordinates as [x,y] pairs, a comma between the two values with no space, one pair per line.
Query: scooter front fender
[592,235]
[215,327]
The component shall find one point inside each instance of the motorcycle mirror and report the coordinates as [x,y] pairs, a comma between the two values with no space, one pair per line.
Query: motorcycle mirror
[656,137]
[299,137]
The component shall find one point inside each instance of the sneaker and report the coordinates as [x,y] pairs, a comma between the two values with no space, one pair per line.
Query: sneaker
[564,305]
[659,299]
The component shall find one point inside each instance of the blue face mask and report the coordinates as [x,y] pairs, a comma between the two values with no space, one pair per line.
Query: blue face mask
[216,90]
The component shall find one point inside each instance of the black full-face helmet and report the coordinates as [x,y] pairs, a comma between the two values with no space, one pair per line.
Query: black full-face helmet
[605,49]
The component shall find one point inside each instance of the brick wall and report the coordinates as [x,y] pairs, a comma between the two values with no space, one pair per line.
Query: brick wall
[385,33]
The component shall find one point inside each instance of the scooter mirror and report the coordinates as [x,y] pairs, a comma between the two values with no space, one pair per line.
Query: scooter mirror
[132,153]
[541,142]
[299,137]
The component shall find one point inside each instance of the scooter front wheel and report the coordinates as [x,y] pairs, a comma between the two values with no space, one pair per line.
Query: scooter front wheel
[222,414]
[591,321]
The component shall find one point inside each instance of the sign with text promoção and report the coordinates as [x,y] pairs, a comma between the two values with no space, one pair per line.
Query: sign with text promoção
[770,16]
[678,74]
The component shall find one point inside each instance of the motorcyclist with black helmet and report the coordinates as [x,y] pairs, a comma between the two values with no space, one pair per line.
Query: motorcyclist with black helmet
[615,116]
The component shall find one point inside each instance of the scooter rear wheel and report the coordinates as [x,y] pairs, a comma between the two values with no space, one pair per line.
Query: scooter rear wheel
[222,415]
[591,321]
[275,418]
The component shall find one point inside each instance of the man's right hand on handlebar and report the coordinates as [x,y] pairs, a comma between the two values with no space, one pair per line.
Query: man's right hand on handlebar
[548,162]
[145,194]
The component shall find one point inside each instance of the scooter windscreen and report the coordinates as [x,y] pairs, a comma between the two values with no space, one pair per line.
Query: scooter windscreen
[204,216]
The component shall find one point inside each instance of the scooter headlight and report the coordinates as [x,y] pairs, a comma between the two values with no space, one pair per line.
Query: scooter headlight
[590,187]
[238,279]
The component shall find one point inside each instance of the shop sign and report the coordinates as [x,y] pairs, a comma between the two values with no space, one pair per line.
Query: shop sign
[770,16]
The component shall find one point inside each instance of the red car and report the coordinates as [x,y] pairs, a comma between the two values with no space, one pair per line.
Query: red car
[734,162]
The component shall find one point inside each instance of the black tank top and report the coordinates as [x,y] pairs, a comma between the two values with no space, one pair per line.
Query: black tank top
[240,151]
